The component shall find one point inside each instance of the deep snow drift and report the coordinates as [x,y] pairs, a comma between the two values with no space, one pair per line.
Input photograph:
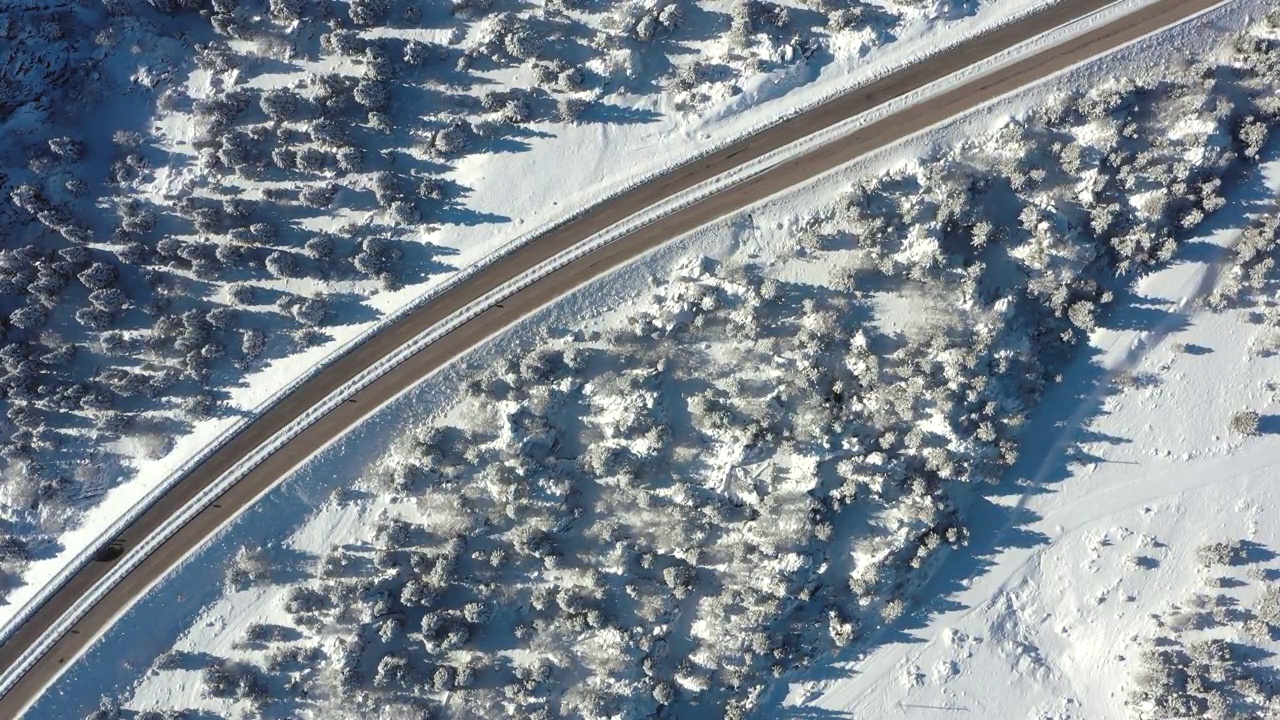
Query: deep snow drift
[783,449]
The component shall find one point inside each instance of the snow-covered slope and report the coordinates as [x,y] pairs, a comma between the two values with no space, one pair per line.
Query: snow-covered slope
[866,446]
[1096,548]
[207,206]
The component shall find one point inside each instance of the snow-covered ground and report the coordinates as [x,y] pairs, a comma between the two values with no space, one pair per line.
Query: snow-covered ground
[514,180]
[1095,543]
[1128,466]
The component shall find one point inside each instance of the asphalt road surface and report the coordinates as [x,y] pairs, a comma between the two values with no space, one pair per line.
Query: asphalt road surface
[892,128]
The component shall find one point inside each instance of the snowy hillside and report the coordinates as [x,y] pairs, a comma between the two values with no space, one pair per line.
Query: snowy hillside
[1146,518]
[205,200]
[900,402]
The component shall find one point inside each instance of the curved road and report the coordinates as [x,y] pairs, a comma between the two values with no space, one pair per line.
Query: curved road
[963,97]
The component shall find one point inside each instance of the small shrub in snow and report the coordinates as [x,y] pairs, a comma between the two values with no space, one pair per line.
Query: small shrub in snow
[451,140]
[386,188]
[263,233]
[680,578]
[842,630]
[368,12]
[199,406]
[405,213]
[751,16]
[1245,423]
[110,299]
[252,342]
[515,111]
[285,158]
[217,681]
[372,94]
[310,311]
[469,8]
[98,276]
[240,294]
[379,64]
[238,681]
[76,187]
[393,671]
[249,566]
[94,317]
[287,10]
[892,610]
[570,109]
[327,132]
[688,77]
[160,715]
[418,53]
[342,42]
[68,149]
[443,679]
[130,139]
[1220,553]
[1082,314]
[307,337]
[281,264]
[28,317]
[1251,137]
[663,693]
[222,318]
[313,160]
[522,43]
[108,709]
[318,196]
[304,599]
[279,104]
[320,247]
[431,189]
[350,159]
[13,548]
[172,660]
[1268,606]
[375,255]
[263,633]
[657,22]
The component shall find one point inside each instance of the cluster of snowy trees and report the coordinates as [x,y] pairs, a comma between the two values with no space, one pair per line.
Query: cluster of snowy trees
[1250,269]
[132,335]
[317,131]
[113,334]
[116,323]
[742,474]
[574,514]
[1211,659]
[1091,186]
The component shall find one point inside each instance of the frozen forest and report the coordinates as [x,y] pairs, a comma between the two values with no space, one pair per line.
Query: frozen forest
[677,504]
[1210,654]
[196,192]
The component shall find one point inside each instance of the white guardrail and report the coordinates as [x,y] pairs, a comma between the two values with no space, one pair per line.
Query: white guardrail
[698,192]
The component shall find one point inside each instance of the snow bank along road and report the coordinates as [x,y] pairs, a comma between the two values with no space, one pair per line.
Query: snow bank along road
[29,673]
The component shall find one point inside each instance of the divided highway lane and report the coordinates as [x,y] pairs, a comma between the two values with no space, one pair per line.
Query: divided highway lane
[42,671]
